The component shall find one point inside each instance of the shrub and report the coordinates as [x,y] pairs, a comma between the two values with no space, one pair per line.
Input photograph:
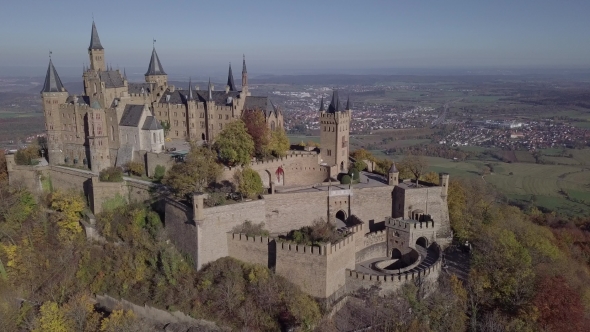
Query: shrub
[354,175]
[135,168]
[215,199]
[251,229]
[318,233]
[159,172]
[345,179]
[27,155]
[249,183]
[111,174]
[360,165]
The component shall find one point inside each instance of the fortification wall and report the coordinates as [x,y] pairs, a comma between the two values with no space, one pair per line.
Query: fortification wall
[28,176]
[103,191]
[341,257]
[65,178]
[372,204]
[430,201]
[139,191]
[181,229]
[222,219]
[252,249]
[154,159]
[284,212]
[305,266]
[371,245]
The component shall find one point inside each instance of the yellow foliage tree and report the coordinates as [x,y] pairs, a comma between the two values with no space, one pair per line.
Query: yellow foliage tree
[119,320]
[430,177]
[70,205]
[52,319]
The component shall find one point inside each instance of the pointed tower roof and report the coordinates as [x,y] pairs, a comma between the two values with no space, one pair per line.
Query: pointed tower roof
[209,91]
[230,80]
[335,103]
[244,71]
[190,89]
[393,169]
[52,80]
[124,74]
[348,104]
[155,67]
[94,40]
[322,104]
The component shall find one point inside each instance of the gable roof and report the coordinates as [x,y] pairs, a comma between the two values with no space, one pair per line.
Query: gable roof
[151,123]
[94,40]
[131,115]
[52,80]
[155,67]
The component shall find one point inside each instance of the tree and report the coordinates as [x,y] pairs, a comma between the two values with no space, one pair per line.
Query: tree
[166,127]
[122,321]
[256,126]
[111,174]
[159,173]
[362,154]
[3,170]
[279,142]
[416,164]
[560,307]
[234,145]
[70,205]
[360,165]
[27,155]
[198,170]
[135,168]
[430,177]
[249,183]
[52,319]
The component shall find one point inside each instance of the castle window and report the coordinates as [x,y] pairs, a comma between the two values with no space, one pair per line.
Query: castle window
[175,114]
[135,138]
[183,114]
[112,133]
[220,126]
[193,125]
[272,125]
[220,117]
[329,152]
[227,117]
[159,113]
[175,122]
[184,123]
[154,137]
[202,124]
[177,133]
[202,115]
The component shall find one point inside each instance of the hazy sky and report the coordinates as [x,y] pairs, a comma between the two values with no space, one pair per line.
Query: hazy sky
[283,37]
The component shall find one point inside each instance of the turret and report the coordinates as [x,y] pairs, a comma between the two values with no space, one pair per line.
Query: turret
[96,51]
[54,94]
[244,78]
[334,133]
[393,175]
[155,73]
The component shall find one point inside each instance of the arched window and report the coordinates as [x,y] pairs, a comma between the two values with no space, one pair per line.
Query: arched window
[154,137]
[272,125]
[112,133]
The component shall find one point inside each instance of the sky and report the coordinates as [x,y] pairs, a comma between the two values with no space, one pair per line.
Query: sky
[200,38]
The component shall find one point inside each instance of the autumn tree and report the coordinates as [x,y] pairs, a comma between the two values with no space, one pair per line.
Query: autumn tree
[560,307]
[27,155]
[52,318]
[135,167]
[415,164]
[279,143]
[199,169]
[70,206]
[256,126]
[234,145]
[3,170]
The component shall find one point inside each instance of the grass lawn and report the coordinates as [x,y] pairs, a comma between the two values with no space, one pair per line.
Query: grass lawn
[296,139]
[524,157]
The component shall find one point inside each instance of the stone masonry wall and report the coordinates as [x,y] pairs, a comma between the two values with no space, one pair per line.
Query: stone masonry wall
[102,191]
[181,229]
[288,211]
[372,203]
[251,249]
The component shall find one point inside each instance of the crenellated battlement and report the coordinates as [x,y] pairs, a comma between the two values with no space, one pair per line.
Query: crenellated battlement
[393,278]
[399,223]
[323,250]
[255,238]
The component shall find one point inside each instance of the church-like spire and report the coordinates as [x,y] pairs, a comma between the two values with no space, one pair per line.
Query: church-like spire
[322,104]
[124,74]
[155,67]
[210,91]
[348,104]
[244,72]
[94,39]
[52,80]
[335,103]
[190,89]
[230,80]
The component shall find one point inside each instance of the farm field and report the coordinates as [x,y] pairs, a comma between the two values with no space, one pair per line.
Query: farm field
[296,139]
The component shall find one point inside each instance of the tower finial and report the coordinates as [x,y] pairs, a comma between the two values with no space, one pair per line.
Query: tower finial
[190,89]
[50,54]
[210,91]
[124,73]
[154,42]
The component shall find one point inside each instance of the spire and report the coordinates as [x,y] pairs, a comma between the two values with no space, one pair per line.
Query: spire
[94,40]
[52,80]
[190,89]
[322,104]
[335,103]
[393,169]
[230,80]
[348,105]
[244,76]
[244,71]
[210,91]
[155,67]
[124,74]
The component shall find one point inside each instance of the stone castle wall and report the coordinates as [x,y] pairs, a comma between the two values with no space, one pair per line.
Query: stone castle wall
[252,249]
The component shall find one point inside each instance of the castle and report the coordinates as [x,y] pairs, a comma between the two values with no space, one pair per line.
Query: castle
[393,229]
[117,121]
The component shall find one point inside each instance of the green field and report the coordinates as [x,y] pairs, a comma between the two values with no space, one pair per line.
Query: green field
[296,139]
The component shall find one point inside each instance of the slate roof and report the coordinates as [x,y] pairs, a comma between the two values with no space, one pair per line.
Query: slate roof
[260,103]
[348,103]
[52,80]
[322,105]
[393,169]
[335,105]
[94,40]
[155,67]
[82,100]
[219,97]
[111,79]
[151,123]
[131,115]
[230,80]
[135,88]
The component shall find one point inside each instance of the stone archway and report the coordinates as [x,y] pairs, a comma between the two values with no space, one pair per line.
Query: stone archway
[396,254]
[341,215]
[422,242]
[203,136]
[266,178]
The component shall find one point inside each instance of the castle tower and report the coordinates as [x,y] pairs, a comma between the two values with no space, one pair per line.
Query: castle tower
[393,178]
[53,94]
[98,141]
[155,73]
[96,51]
[230,80]
[191,112]
[209,111]
[443,180]
[335,133]
[244,78]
